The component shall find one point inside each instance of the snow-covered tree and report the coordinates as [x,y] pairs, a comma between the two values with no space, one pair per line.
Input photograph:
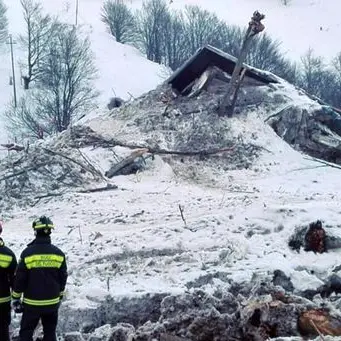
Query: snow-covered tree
[3,22]
[39,31]
[65,88]
[119,20]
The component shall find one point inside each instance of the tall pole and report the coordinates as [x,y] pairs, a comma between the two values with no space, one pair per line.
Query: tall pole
[13,73]
[76,12]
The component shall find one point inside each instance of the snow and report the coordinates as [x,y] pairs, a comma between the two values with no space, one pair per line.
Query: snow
[142,245]
[122,70]
[132,240]
[296,25]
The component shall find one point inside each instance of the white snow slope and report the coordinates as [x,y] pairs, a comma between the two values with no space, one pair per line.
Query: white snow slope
[122,70]
[132,240]
[283,191]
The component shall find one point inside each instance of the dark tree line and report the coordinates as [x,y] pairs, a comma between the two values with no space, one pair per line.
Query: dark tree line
[171,37]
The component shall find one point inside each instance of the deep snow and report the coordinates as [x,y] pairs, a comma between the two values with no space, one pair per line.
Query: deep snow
[122,70]
[132,240]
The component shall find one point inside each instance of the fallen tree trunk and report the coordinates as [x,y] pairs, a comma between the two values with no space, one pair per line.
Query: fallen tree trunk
[22,171]
[108,187]
[91,170]
[125,162]
[13,146]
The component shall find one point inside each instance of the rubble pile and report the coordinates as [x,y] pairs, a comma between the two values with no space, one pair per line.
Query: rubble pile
[47,169]
[316,132]
[245,311]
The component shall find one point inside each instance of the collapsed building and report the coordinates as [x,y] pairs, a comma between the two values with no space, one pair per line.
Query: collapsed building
[179,121]
[315,131]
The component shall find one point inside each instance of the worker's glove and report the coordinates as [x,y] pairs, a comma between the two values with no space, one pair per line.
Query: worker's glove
[17,306]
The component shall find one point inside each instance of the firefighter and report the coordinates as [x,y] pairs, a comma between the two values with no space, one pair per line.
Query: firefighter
[40,283]
[8,264]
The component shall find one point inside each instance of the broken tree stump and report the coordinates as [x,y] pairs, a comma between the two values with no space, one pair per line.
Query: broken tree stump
[312,238]
[228,103]
[315,238]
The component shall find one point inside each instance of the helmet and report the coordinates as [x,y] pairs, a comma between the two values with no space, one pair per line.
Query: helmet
[42,223]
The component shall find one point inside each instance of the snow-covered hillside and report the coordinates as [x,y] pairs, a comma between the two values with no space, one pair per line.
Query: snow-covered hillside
[122,70]
[127,245]
[183,223]
[299,25]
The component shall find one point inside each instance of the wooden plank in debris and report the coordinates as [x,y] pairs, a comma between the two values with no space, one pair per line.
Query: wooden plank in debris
[319,321]
[125,162]
[13,146]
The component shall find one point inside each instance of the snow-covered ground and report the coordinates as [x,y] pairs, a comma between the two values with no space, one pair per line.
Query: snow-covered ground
[122,70]
[132,240]
[135,237]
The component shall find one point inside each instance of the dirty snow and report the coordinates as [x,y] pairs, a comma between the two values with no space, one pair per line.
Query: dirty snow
[132,240]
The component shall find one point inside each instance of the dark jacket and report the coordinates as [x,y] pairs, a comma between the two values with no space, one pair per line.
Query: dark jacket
[41,274]
[8,264]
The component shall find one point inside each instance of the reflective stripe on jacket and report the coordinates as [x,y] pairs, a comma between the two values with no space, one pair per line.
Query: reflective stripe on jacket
[41,274]
[8,264]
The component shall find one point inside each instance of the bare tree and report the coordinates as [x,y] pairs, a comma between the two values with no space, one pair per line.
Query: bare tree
[286,2]
[3,22]
[67,76]
[153,19]
[119,20]
[175,40]
[336,88]
[23,122]
[202,27]
[311,72]
[39,31]
[65,87]
[230,38]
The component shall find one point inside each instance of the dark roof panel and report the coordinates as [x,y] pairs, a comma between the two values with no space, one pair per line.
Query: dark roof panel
[211,56]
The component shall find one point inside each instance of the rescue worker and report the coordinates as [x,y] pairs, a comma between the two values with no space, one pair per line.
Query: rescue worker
[8,264]
[40,283]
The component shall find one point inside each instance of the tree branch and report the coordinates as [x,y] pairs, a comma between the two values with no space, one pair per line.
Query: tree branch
[326,163]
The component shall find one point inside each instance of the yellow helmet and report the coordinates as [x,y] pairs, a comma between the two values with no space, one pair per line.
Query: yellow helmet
[42,223]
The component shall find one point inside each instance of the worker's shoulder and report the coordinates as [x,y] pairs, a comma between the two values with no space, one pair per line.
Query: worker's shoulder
[36,248]
[5,250]
[57,249]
